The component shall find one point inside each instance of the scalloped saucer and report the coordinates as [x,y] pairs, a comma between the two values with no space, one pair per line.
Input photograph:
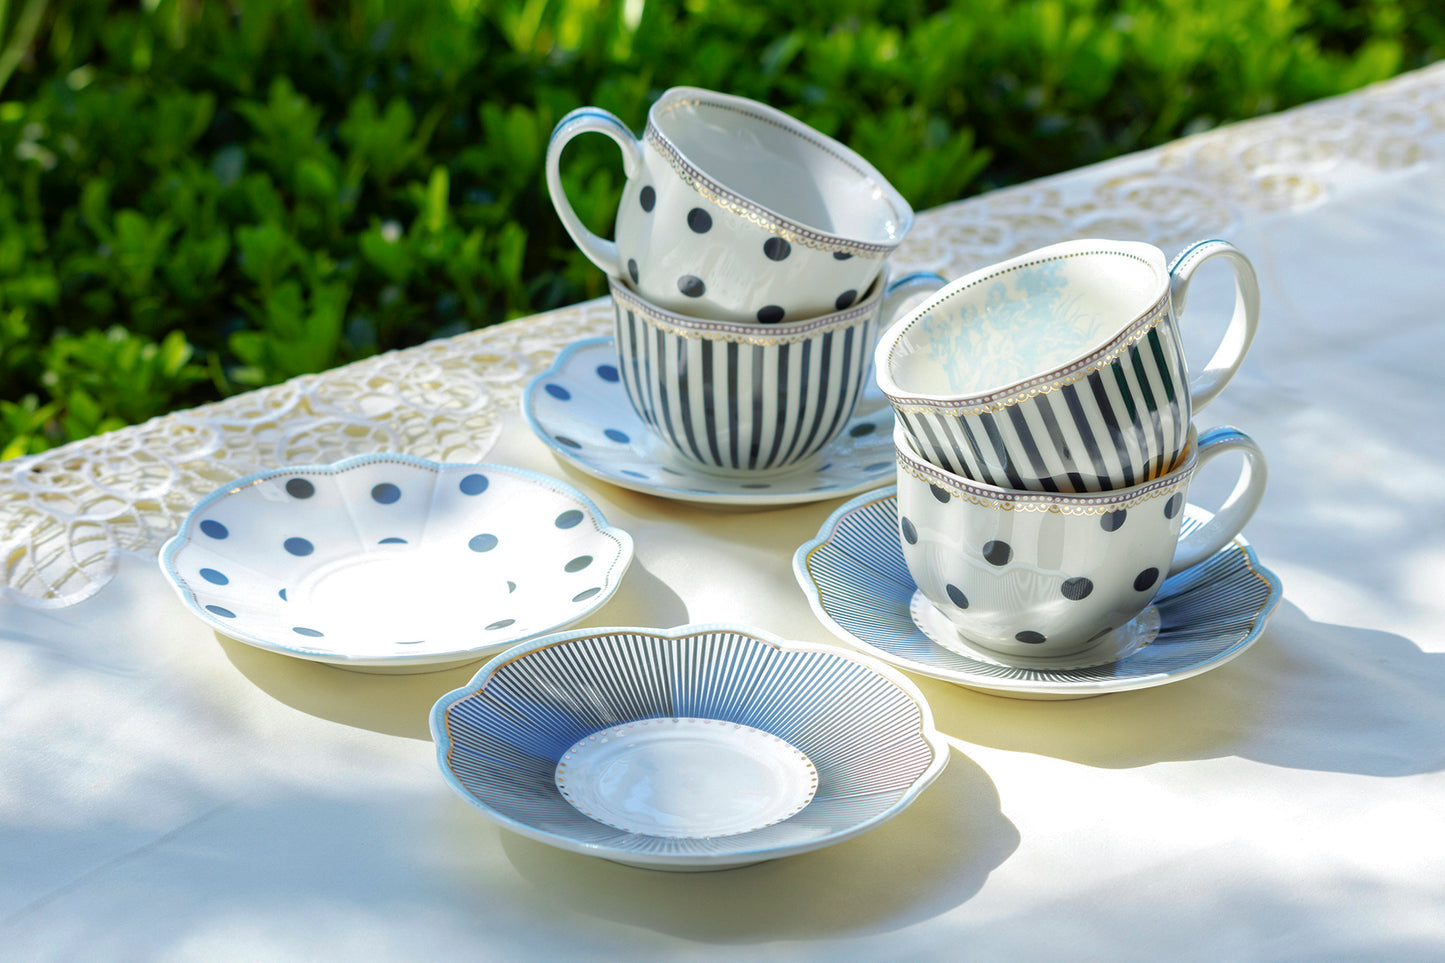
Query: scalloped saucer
[390,563]
[858,585]
[579,408]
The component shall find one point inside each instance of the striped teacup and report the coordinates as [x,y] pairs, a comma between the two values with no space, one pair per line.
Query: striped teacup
[1061,370]
[738,397]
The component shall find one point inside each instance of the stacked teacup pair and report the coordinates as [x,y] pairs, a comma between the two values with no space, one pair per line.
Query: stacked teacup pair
[1045,443]
[748,275]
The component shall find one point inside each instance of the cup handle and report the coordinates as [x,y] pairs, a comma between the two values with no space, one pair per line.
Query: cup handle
[1237,509]
[1237,337]
[903,287]
[599,251]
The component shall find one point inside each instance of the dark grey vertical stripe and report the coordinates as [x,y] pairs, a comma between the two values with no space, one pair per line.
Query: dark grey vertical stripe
[840,410]
[780,420]
[1149,411]
[759,358]
[709,414]
[995,439]
[1118,452]
[1056,438]
[730,360]
[1030,448]
[820,393]
[796,416]
[1086,433]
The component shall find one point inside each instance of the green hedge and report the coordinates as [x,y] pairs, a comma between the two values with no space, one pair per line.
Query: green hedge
[197,198]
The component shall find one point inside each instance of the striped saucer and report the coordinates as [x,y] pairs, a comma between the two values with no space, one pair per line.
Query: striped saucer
[858,585]
[701,747]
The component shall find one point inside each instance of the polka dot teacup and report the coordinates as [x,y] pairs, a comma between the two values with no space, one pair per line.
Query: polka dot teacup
[1040,574]
[735,211]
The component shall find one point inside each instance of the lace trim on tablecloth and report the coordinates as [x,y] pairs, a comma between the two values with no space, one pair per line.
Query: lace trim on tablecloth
[67,515]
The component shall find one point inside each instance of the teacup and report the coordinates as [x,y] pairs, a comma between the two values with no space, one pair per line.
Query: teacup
[736,397]
[1043,575]
[1062,370]
[733,210]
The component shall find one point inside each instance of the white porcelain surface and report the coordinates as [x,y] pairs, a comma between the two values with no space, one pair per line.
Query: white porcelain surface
[859,586]
[694,748]
[1031,574]
[387,561]
[733,210]
[686,777]
[1062,369]
[579,408]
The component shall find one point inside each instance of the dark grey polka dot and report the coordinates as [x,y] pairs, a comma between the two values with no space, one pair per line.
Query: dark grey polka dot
[482,543]
[776,248]
[501,624]
[647,197]
[298,546]
[473,484]
[910,534]
[385,494]
[1146,579]
[846,299]
[300,488]
[585,594]
[997,553]
[222,612]
[568,519]
[1099,635]
[568,442]
[578,564]
[1075,589]
[632,269]
[956,596]
[770,314]
[1112,521]
[691,286]
[841,256]
[861,429]
[1031,638]
[214,529]
[699,220]
[214,577]
[1171,507]
[939,493]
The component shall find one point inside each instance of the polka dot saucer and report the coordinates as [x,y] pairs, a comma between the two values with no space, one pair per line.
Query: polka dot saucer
[860,588]
[387,562]
[579,408]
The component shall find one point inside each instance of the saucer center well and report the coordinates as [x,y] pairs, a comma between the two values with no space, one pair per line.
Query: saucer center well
[400,595]
[686,778]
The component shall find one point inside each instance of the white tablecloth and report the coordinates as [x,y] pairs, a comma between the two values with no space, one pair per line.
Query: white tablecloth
[168,794]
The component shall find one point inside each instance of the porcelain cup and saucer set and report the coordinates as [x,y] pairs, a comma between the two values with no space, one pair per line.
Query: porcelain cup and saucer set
[1017,447]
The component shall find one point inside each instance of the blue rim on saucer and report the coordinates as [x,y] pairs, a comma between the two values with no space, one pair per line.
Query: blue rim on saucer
[391,563]
[859,587]
[699,747]
[579,409]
